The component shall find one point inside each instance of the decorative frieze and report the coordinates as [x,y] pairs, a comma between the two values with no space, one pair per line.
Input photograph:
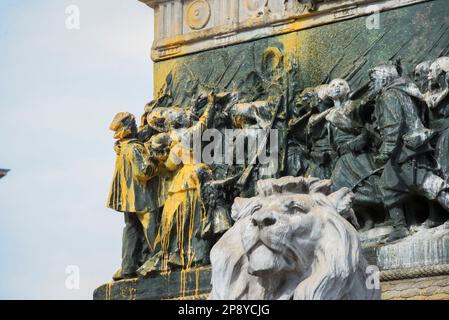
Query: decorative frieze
[187,26]
[198,14]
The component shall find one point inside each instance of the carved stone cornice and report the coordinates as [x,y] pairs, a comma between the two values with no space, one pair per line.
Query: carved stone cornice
[187,26]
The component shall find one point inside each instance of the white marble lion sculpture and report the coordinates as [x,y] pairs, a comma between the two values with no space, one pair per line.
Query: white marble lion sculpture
[291,242]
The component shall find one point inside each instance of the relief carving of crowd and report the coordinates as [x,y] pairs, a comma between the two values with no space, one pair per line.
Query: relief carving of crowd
[388,143]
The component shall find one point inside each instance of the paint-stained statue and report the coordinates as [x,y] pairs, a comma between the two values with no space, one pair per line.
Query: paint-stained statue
[130,194]
[280,134]
[202,143]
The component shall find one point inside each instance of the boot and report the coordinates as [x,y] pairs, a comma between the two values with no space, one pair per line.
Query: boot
[117,276]
[434,220]
[443,199]
[399,225]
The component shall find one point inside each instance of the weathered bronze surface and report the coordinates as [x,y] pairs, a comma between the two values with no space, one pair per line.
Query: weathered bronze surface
[367,109]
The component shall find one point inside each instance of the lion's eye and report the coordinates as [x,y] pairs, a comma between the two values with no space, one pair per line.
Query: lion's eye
[256,208]
[297,208]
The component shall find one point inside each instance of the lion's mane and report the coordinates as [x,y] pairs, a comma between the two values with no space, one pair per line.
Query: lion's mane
[337,269]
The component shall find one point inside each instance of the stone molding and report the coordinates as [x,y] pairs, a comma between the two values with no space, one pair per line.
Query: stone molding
[428,288]
[187,26]
[415,273]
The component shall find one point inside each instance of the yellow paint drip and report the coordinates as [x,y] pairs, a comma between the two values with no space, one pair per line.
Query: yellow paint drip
[182,203]
[197,282]
[108,291]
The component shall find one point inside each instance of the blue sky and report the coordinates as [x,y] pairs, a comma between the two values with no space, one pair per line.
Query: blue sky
[59,90]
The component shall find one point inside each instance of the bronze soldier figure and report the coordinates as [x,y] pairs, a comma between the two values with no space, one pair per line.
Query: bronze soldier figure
[438,102]
[129,193]
[355,167]
[404,152]
[321,153]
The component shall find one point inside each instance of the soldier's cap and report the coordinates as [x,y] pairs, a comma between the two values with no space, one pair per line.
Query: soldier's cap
[442,63]
[122,120]
[385,70]
[423,66]
[321,91]
[308,91]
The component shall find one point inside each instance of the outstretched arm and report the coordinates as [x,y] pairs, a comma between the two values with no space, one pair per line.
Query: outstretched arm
[208,116]
[317,118]
[174,158]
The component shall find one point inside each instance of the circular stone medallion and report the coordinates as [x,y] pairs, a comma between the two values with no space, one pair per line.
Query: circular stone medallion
[254,5]
[198,14]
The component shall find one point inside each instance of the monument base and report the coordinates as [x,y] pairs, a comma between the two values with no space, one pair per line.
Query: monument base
[193,284]
[428,247]
[413,268]
[416,267]
[428,288]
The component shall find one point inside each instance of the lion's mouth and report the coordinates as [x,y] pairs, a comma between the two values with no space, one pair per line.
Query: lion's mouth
[262,259]
[265,260]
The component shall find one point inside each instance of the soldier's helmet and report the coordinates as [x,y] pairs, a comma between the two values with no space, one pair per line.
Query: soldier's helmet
[384,71]
[178,117]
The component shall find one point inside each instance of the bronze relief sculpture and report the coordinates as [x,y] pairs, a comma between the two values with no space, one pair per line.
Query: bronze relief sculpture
[387,145]
[352,114]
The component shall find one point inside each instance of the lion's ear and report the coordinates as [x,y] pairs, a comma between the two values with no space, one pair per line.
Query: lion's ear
[242,207]
[320,186]
[342,200]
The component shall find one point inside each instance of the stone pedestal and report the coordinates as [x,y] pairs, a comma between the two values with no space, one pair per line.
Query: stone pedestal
[180,285]
[413,268]
[416,267]
[428,247]
[425,248]
[428,288]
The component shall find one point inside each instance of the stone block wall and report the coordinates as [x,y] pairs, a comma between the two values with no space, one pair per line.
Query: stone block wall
[430,288]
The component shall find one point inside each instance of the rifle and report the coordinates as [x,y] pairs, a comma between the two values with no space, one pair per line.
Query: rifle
[376,171]
[319,117]
[248,170]
[299,120]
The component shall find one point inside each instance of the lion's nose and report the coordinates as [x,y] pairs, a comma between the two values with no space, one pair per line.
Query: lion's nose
[263,220]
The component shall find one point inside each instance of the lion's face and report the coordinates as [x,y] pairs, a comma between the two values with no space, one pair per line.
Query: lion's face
[291,241]
[280,234]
